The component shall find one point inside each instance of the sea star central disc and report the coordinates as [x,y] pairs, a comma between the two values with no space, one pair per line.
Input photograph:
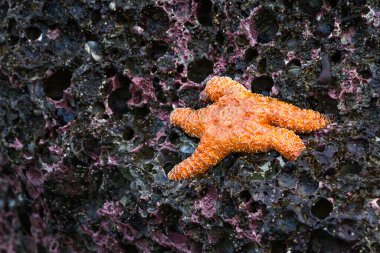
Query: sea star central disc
[241,121]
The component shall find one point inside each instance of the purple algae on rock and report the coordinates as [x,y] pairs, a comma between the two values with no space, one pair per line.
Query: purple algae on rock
[86,90]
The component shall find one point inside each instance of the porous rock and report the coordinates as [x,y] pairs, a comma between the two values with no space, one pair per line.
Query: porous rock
[86,89]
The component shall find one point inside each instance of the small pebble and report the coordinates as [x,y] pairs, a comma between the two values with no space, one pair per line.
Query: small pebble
[294,70]
[187,149]
[2,39]
[323,30]
[112,6]
[93,48]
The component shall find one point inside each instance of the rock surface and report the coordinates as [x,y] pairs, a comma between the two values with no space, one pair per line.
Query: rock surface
[86,89]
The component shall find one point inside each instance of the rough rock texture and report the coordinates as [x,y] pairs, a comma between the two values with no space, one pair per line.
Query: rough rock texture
[86,88]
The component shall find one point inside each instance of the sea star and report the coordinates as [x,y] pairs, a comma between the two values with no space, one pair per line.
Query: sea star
[241,121]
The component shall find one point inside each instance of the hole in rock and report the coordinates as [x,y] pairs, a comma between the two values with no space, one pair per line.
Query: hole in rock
[168,159]
[158,90]
[91,145]
[250,248]
[262,85]
[13,32]
[177,85]
[3,10]
[278,247]
[110,71]
[154,20]
[219,38]
[32,32]
[141,112]
[241,40]
[117,101]
[245,195]
[262,66]
[157,49]
[266,26]
[96,16]
[168,215]
[40,249]
[56,83]
[365,73]
[311,6]
[307,186]
[294,62]
[198,70]
[189,24]
[229,207]
[250,54]
[124,17]
[204,12]
[327,105]
[24,219]
[254,206]
[288,3]
[12,26]
[224,245]
[137,222]
[371,42]
[332,3]
[98,108]
[128,133]
[352,168]
[130,248]
[322,208]
[322,241]
[180,68]
[146,152]
[148,166]
[124,81]
[294,67]
[173,137]
[336,57]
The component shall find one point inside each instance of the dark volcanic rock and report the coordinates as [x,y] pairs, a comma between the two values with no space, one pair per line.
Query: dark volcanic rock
[86,89]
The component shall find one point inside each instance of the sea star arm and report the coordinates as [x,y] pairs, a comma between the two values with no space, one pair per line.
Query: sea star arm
[294,118]
[217,87]
[189,120]
[251,138]
[284,141]
[206,155]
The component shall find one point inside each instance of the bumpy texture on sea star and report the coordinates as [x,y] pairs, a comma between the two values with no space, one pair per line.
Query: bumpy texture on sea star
[241,121]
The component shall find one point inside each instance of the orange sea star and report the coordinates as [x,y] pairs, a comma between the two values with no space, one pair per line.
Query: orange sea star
[241,121]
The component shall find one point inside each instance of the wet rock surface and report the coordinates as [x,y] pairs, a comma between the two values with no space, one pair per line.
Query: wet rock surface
[86,89]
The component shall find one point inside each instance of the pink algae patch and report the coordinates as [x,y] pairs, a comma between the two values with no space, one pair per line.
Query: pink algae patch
[207,204]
